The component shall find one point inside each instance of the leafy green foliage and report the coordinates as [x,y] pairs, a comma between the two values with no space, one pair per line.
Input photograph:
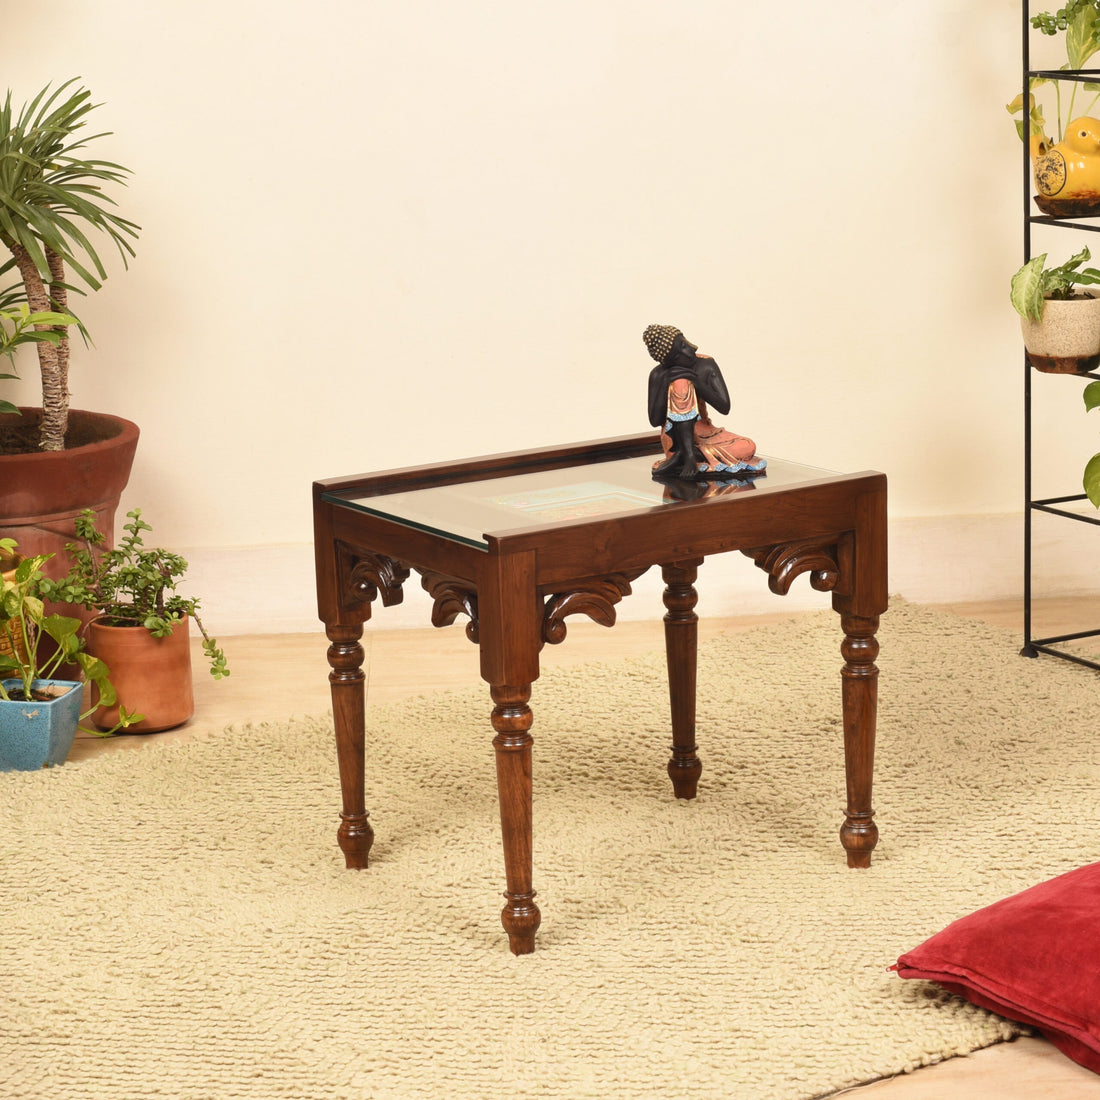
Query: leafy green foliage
[48,193]
[53,201]
[131,585]
[1091,479]
[1036,123]
[1079,21]
[25,625]
[1034,283]
[1074,12]
[19,326]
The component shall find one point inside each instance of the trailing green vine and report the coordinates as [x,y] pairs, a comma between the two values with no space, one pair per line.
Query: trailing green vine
[1091,479]
[24,625]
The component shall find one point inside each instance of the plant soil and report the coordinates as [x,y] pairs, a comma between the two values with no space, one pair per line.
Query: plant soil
[1073,296]
[38,695]
[19,435]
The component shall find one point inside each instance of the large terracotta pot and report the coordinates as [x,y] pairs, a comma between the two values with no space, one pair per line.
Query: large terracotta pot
[151,675]
[41,494]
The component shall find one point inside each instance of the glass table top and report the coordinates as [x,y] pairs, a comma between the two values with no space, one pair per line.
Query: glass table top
[468,511]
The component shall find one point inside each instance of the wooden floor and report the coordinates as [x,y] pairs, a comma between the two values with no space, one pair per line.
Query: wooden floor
[275,676]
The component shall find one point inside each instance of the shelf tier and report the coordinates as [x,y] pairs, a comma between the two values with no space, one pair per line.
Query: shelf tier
[1076,374]
[1082,76]
[1045,645]
[1048,506]
[1066,223]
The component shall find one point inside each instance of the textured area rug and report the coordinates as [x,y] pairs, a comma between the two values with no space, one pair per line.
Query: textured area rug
[178,922]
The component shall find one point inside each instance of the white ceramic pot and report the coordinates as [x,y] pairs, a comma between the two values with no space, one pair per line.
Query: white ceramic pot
[1066,339]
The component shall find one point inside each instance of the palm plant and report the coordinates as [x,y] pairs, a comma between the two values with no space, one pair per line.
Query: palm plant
[50,194]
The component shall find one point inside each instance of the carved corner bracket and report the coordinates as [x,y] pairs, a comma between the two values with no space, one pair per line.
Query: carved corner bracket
[451,598]
[365,575]
[595,598]
[822,558]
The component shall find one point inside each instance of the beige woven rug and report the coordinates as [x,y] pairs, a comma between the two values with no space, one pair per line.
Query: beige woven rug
[177,922]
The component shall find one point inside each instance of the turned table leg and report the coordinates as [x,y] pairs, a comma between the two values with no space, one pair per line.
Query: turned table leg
[859,681]
[345,658]
[512,721]
[681,649]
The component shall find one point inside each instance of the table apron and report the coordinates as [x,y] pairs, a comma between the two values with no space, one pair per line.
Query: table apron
[420,549]
[823,513]
[830,514]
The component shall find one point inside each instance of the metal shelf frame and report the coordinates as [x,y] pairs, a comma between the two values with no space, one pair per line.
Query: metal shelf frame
[1033,646]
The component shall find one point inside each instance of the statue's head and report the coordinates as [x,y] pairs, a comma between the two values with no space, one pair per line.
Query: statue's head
[670,347]
[660,340]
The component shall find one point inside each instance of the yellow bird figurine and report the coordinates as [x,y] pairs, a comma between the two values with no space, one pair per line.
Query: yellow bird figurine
[1067,175]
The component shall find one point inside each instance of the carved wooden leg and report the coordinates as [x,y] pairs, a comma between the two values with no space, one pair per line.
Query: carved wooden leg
[859,680]
[512,721]
[345,657]
[681,649]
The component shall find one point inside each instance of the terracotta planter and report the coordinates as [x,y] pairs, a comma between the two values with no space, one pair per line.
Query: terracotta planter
[151,675]
[1066,339]
[41,494]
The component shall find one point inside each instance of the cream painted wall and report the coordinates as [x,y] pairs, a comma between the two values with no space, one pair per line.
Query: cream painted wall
[387,233]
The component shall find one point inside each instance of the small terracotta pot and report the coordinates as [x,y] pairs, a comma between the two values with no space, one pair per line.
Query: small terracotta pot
[1066,339]
[151,675]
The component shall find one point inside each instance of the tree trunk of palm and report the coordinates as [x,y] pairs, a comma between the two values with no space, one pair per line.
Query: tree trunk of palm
[58,416]
[55,395]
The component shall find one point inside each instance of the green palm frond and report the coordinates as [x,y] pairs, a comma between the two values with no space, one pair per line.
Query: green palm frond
[48,192]
[11,297]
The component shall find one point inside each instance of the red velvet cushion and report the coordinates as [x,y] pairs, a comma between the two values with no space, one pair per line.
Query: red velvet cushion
[1034,957]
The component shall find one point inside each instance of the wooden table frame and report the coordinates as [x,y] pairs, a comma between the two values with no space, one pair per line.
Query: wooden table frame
[518,592]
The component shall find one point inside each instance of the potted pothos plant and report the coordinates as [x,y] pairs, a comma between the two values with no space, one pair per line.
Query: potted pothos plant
[55,207]
[1060,322]
[141,628]
[39,713]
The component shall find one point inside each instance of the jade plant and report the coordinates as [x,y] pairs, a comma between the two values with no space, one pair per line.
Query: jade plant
[131,585]
[1034,283]
[38,645]
[1079,22]
[52,202]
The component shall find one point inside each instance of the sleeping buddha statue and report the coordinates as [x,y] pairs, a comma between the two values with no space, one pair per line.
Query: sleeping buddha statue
[683,386]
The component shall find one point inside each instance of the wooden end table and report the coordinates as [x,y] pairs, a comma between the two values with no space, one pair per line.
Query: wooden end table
[519,542]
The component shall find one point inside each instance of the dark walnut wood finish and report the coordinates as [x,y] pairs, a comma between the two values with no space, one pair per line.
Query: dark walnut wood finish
[519,588]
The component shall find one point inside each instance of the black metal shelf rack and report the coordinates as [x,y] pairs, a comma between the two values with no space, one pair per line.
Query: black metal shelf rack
[1032,646]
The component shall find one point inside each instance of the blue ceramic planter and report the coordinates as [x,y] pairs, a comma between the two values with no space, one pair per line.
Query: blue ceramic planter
[34,735]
